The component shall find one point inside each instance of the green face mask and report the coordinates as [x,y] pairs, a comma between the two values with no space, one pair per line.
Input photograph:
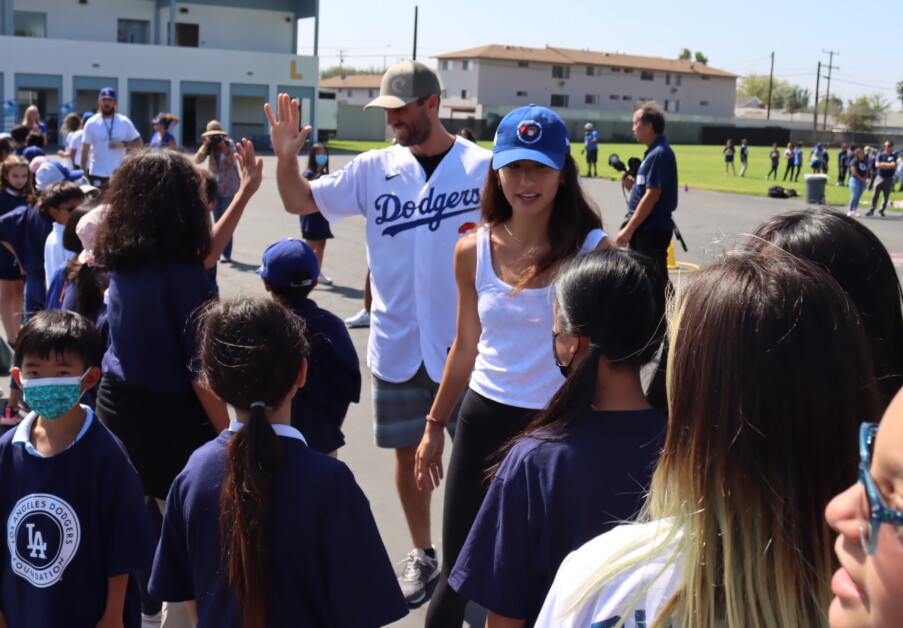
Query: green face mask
[52,397]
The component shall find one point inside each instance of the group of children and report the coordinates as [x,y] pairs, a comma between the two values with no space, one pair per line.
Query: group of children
[138,264]
[262,527]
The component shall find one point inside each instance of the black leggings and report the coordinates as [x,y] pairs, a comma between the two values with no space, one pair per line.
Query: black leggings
[484,426]
[788,171]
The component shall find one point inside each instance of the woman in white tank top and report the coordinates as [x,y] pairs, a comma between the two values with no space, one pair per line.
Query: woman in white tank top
[535,217]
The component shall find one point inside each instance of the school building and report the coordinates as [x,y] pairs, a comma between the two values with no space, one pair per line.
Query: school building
[200,60]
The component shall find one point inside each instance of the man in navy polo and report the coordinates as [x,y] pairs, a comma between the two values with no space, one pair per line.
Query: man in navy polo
[653,193]
[885,167]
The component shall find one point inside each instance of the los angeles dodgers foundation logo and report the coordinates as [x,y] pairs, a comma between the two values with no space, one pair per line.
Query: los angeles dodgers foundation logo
[43,534]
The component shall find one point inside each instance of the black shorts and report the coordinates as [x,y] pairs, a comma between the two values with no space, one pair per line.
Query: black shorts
[315,227]
[592,156]
[159,431]
[11,274]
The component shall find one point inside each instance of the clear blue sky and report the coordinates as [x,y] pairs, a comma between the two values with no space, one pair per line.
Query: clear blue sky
[736,36]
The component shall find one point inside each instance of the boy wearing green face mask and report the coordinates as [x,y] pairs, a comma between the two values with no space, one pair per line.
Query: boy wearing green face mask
[76,525]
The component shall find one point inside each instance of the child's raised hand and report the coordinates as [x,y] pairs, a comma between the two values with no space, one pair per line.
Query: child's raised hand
[251,166]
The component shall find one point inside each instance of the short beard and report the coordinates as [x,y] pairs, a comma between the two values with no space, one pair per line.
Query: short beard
[418,137]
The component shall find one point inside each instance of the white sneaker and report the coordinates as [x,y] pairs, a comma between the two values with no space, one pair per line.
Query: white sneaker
[361,319]
[419,570]
[324,280]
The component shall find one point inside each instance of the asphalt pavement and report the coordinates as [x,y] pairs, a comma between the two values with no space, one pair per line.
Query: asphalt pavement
[710,222]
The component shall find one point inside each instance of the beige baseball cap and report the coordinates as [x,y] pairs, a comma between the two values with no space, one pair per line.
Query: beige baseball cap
[404,83]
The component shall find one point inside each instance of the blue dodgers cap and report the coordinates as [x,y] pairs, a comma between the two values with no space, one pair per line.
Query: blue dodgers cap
[289,263]
[107,92]
[534,133]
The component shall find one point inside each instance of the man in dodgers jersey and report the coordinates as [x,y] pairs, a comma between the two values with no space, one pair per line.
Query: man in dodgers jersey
[418,197]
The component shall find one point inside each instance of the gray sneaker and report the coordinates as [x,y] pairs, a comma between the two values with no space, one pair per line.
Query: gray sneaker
[361,319]
[419,571]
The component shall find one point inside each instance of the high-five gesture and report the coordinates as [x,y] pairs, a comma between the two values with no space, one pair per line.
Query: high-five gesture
[288,140]
[286,137]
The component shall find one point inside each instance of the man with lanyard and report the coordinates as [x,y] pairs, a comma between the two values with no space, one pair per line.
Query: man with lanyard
[653,194]
[107,137]
[591,146]
[419,197]
[885,167]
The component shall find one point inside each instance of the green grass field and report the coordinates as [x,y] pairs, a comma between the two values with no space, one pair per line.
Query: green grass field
[699,168]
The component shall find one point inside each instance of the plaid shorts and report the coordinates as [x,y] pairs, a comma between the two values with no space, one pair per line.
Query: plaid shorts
[399,410]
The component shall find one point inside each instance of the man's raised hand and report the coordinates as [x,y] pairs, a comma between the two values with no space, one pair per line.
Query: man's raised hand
[287,139]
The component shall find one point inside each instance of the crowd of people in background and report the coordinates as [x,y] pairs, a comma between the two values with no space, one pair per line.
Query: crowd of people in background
[193,440]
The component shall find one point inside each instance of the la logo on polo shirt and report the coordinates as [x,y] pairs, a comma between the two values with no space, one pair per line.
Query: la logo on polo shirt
[43,534]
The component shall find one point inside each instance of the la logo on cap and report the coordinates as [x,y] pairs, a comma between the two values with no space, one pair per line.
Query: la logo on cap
[529,131]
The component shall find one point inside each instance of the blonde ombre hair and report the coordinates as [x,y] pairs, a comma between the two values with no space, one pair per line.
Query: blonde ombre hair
[762,433]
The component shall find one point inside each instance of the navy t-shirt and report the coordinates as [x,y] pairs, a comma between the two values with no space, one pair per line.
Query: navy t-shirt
[884,158]
[9,202]
[328,563]
[73,521]
[861,166]
[333,379]
[548,498]
[153,337]
[658,170]
[26,231]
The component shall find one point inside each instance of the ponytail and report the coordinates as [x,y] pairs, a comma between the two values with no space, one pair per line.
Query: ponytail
[251,352]
[254,455]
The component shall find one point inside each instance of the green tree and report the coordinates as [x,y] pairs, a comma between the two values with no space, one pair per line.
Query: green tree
[795,97]
[686,54]
[834,105]
[783,93]
[861,114]
[701,58]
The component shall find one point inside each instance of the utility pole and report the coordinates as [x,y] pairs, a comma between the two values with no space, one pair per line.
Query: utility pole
[770,84]
[341,57]
[815,114]
[414,57]
[828,88]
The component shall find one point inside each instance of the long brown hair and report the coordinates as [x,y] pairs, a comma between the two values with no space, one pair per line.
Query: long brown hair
[762,433]
[251,351]
[859,262]
[573,217]
[155,213]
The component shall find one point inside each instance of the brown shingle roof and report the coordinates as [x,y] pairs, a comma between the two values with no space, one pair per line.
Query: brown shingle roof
[567,56]
[353,81]
[510,53]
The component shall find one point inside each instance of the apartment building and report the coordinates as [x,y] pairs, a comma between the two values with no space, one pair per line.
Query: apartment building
[579,83]
[200,60]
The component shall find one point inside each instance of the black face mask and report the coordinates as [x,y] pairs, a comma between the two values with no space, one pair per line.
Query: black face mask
[566,369]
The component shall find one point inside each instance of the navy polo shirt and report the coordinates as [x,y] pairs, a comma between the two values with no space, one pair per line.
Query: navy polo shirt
[549,497]
[884,158]
[152,320]
[328,565]
[333,379]
[26,231]
[658,170]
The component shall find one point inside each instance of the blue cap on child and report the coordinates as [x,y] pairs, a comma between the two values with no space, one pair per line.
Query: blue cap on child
[533,133]
[289,263]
